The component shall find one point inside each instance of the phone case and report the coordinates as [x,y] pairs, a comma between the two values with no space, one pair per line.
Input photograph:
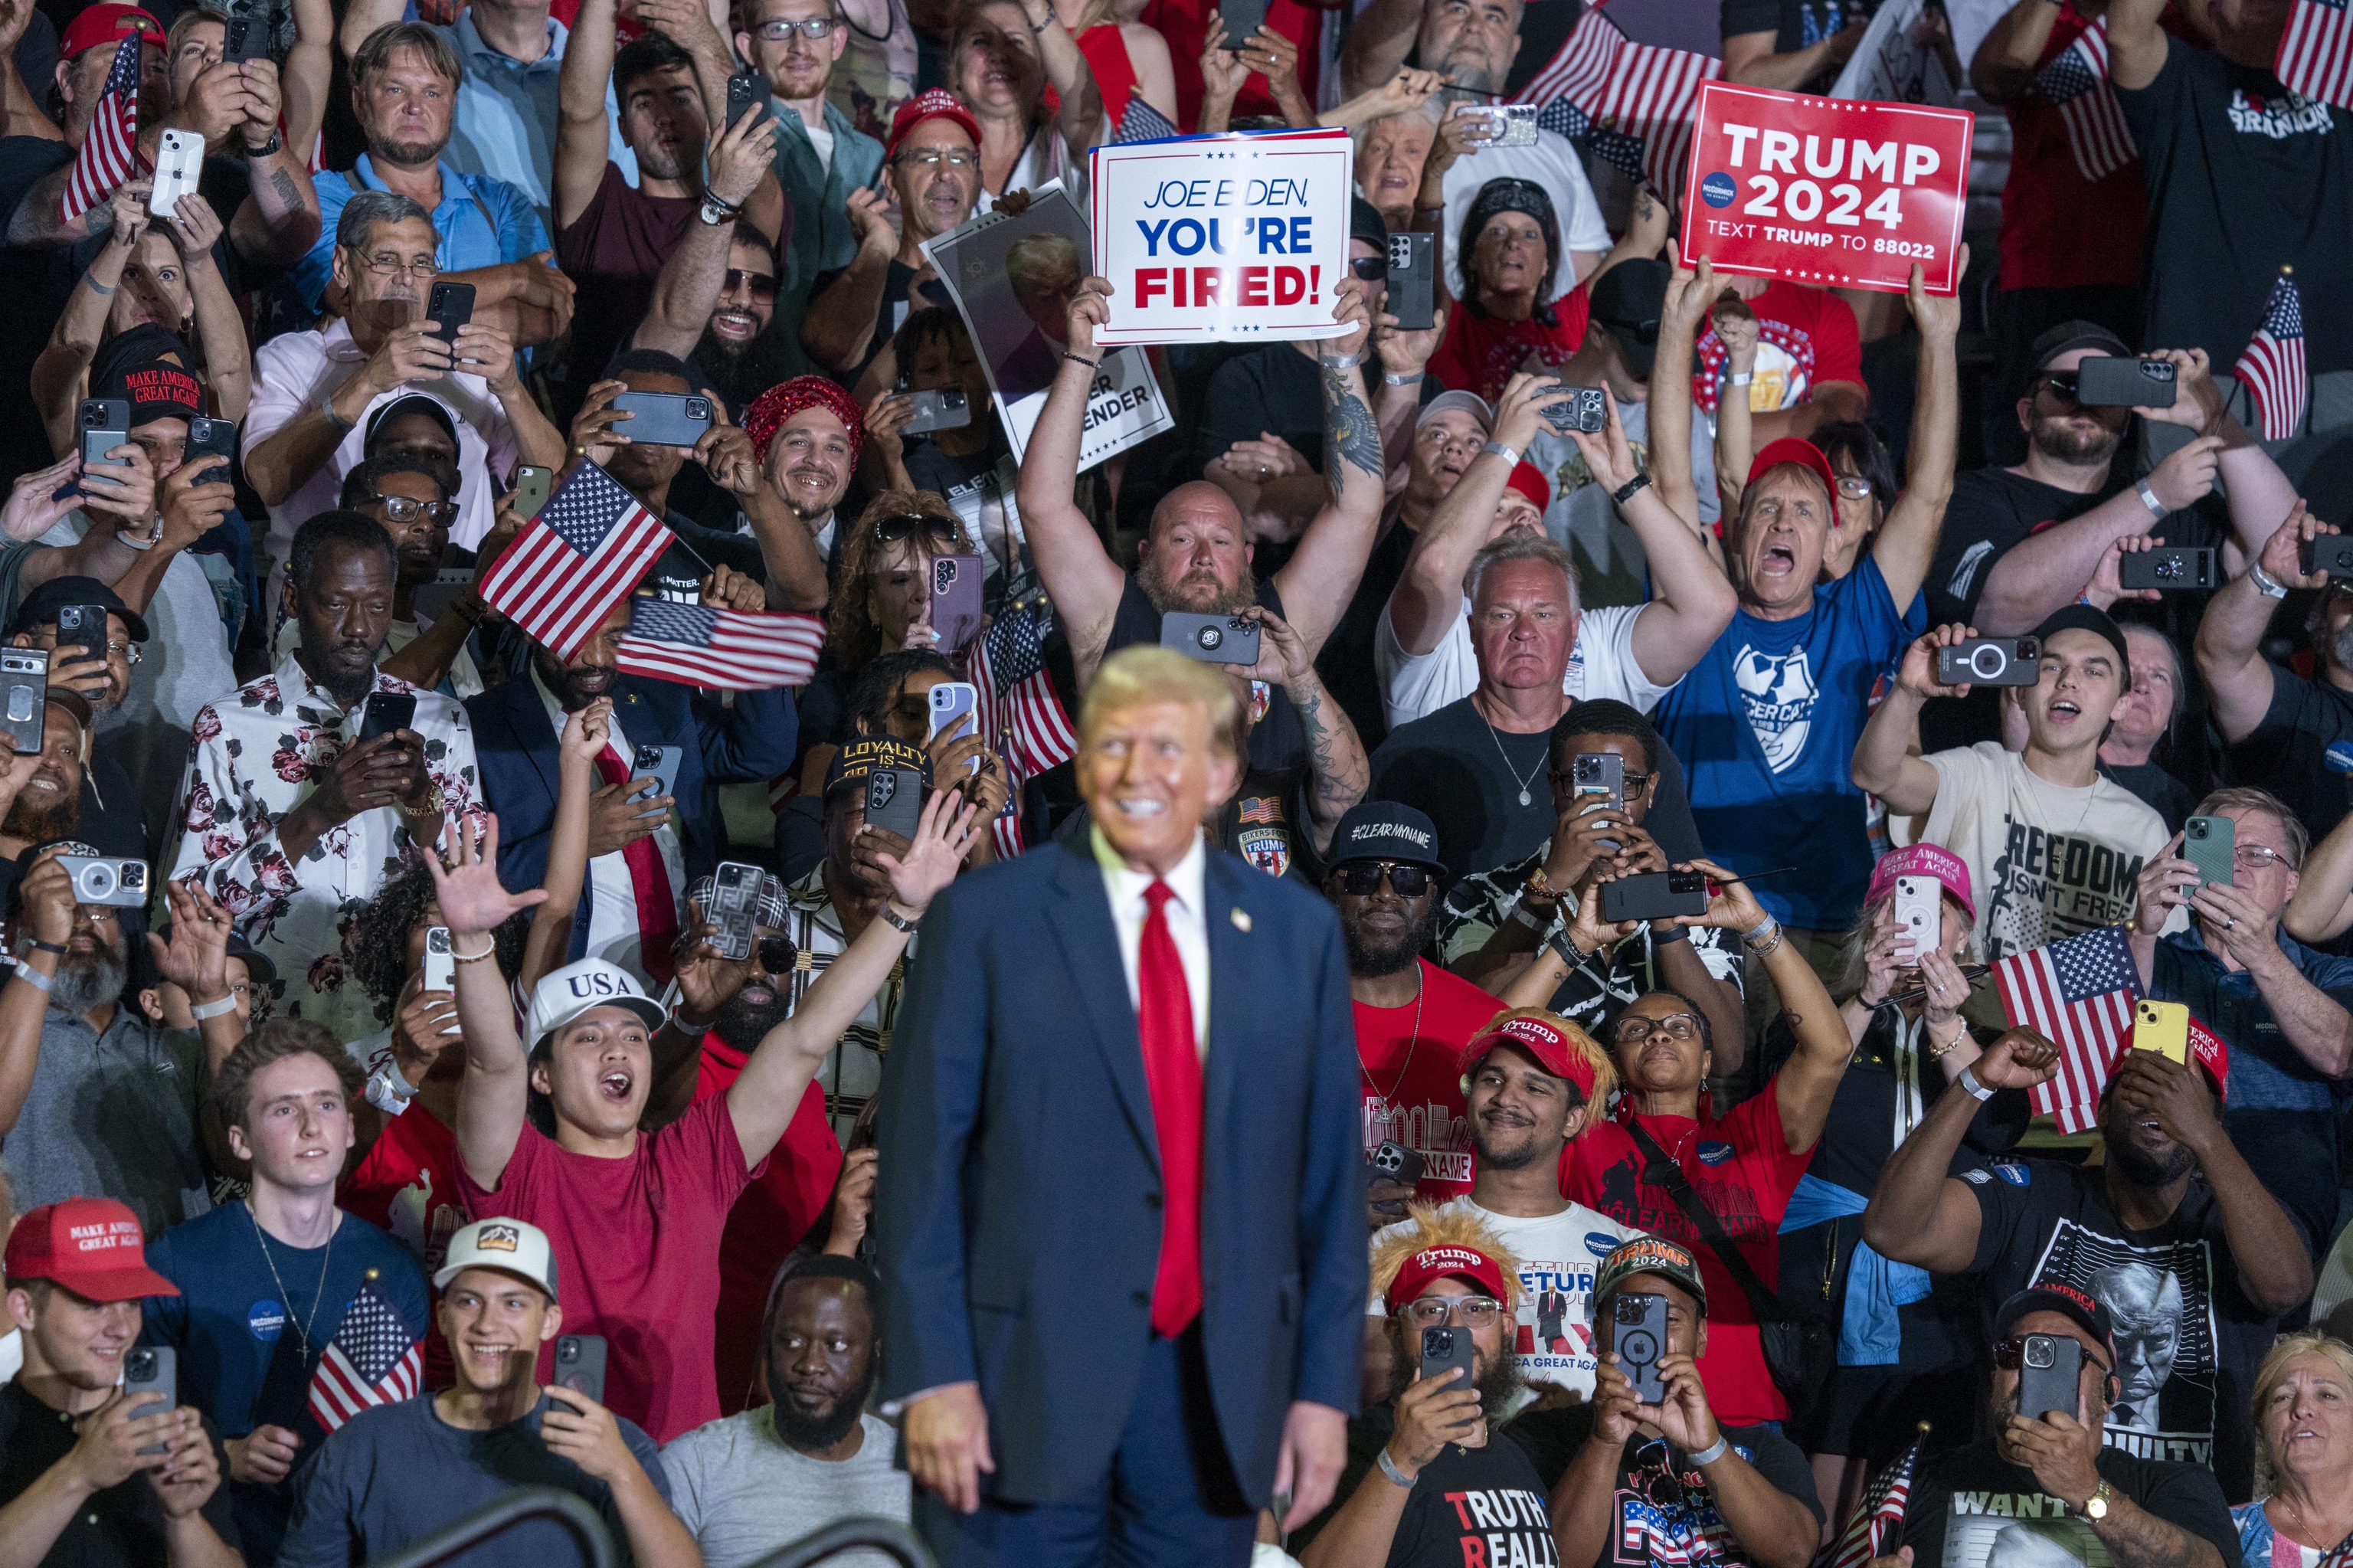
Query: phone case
[660,764]
[2162,1027]
[734,907]
[1412,280]
[953,708]
[1217,638]
[745,92]
[81,632]
[1515,125]
[151,1369]
[179,163]
[451,306]
[580,1364]
[1990,662]
[2113,382]
[956,583]
[247,39]
[946,409]
[1654,895]
[1919,912]
[2056,1386]
[894,800]
[104,424]
[24,696]
[1601,773]
[532,484]
[212,439]
[2211,844]
[1241,17]
[2167,570]
[663,419]
[387,711]
[1443,1349]
[1639,1336]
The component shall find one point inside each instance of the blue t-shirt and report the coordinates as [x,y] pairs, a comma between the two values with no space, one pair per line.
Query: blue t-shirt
[239,1352]
[482,222]
[1767,724]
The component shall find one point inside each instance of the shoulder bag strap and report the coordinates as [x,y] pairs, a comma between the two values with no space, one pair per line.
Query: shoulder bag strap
[1661,1171]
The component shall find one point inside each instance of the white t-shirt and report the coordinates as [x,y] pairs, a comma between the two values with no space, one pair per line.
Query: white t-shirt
[1603,664]
[1557,1256]
[1549,162]
[2045,861]
[1610,565]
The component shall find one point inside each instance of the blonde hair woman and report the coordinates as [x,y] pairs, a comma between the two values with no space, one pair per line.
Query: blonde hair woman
[2303,1455]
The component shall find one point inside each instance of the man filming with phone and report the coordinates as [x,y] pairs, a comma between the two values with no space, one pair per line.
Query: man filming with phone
[2043,1487]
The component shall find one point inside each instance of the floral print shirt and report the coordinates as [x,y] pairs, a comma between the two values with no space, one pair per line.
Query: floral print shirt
[253,757]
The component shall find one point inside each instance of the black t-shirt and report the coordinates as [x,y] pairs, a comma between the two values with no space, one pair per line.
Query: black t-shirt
[1272,389]
[2244,177]
[1277,741]
[2187,1339]
[1971,1509]
[1664,1513]
[124,1523]
[1347,662]
[1796,25]
[895,309]
[1483,1505]
[2163,793]
[2289,752]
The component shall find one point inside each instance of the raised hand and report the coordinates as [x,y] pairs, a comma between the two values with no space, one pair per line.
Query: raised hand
[33,505]
[944,836]
[587,732]
[197,957]
[2020,1059]
[471,901]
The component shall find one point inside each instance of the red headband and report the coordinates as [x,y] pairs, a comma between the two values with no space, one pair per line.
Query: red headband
[769,411]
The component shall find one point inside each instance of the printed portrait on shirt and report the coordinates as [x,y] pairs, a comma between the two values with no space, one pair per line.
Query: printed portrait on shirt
[2162,1300]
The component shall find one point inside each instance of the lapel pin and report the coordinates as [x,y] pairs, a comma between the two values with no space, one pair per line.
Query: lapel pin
[1241,920]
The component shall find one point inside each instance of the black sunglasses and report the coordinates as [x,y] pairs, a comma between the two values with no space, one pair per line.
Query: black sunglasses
[762,285]
[1362,878]
[1369,268]
[775,955]
[2010,1354]
[907,524]
[2064,384]
[1654,1475]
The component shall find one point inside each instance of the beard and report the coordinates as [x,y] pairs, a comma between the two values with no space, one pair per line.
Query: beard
[2340,647]
[1167,595]
[1497,1384]
[2142,1169]
[2057,439]
[35,824]
[1371,960]
[1469,69]
[743,1024]
[350,690]
[85,980]
[1533,1149]
[819,1432]
[411,154]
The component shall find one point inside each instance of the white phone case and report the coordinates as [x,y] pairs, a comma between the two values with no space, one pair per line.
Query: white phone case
[179,163]
[1919,912]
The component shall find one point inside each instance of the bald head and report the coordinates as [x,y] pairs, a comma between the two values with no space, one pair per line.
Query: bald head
[1196,554]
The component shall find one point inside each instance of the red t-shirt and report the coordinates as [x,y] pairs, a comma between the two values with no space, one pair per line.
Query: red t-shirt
[1481,354]
[1805,336]
[1742,1168]
[2060,230]
[636,1254]
[407,1184]
[1412,1086]
[1186,24]
[767,1222]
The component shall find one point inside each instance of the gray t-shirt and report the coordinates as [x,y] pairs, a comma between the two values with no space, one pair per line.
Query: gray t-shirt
[395,1473]
[111,1116]
[743,1493]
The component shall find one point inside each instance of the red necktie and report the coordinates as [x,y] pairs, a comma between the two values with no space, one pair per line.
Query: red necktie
[650,880]
[1172,1069]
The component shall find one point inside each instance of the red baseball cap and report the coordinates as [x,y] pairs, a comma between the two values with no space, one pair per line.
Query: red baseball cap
[1529,480]
[1547,1039]
[1446,1262]
[935,103]
[105,25]
[1804,453]
[2206,1049]
[92,1246]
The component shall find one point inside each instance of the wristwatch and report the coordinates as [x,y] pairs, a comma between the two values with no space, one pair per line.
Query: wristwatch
[2096,1506]
[2265,584]
[276,144]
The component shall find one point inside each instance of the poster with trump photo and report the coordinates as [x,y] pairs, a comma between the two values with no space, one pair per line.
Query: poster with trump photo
[1240,237]
[1013,278]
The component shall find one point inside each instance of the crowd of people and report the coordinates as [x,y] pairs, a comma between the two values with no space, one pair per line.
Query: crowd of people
[1058,1167]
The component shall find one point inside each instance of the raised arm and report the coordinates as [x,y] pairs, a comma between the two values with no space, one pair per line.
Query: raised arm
[362,18]
[1082,580]
[82,325]
[1908,543]
[48,909]
[1379,37]
[687,289]
[306,81]
[1688,293]
[1428,596]
[840,322]
[1338,773]
[279,221]
[1691,601]
[2229,648]
[582,132]
[496,1090]
[1081,117]
[2003,68]
[586,735]
[1749,59]
[1918,1214]
[1320,576]
[2137,45]
[788,550]
[2323,905]
[228,356]
[1884,760]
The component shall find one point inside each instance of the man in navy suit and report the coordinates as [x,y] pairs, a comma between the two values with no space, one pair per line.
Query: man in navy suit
[639,865]
[1120,1196]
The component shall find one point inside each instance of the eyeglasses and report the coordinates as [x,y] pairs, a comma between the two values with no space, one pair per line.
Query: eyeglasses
[129,651]
[387,266]
[2061,384]
[2010,1354]
[931,158]
[1679,1026]
[1853,486]
[1369,268]
[813,29]
[2257,857]
[1470,1311]
[1362,878]
[408,509]
[907,524]
[762,285]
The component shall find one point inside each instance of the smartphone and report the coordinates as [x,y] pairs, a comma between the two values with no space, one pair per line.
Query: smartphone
[1444,1348]
[441,968]
[1413,281]
[448,307]
[1600,774]
[179,163]
[247,40]
[2162,1027]
[894,800]
[1654,895]
[151,1369]
[1515,124]
[946,409]
[1217,638]
[2050,1376]
[954,705]
[2111,382]
[386,712]
[1396,1162]
[2211,844]
[2330,552]
[1990,662]
[24,696]
[1639,1335]
[531,484]
[663,419]
[1581,409]
[734,907]
[580,1364]
[2167,569]
[211,439]
[1919,912]
[660,764]
[1241,18]
[98,879]
[104,424]
[82,633]
[955,601]
[747,94]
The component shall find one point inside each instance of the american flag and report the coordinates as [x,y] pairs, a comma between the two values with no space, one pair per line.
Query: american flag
[1634,104]
[574,561]
[727,650]
[374,1360]
[1017,709]
[1142,123]
[109,146]
[2316,52]
[2076,83]
[1878,1515]
[2272,366]
[2080,994]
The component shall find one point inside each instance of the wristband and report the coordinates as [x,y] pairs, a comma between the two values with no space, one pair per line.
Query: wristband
[2265,584]
[1525,916]
[1509,454]
[1566,946]
[326,406]
[679,1023]
[1738,377]
[1393,379]
[1764,939]
[490,951]
[716,212]
[200,1011]
[41,946]
[1711,1454]
[133,541]
[34,978]
[1095,363]
[1388,1468]
[1627,492]
[1966,1082]
[897,921]
[1341,360]
[2149,499]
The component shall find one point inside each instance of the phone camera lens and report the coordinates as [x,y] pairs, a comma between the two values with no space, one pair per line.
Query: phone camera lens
[2041,1352]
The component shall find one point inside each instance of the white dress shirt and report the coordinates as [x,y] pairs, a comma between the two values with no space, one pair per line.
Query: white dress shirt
[1188,925]
[614,934]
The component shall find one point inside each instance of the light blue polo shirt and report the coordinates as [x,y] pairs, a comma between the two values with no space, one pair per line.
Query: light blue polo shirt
[511,231]
[506,115]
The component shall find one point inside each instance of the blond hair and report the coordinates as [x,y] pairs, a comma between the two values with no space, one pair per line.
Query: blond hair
[1431,1226]
[1605,1071]
[1147,673]
[2271,1373]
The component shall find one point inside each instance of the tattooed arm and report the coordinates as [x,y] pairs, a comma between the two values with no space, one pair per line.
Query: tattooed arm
[1320,578]
[1338,773]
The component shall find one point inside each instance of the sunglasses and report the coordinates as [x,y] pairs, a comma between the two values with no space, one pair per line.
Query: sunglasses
[762,285]
[1362,878]
[1371,269]
[2010,1354]
[907,524]
[775,954]
[2063,385]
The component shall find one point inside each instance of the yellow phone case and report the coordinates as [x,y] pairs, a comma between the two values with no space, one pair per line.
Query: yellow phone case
[2162,1026]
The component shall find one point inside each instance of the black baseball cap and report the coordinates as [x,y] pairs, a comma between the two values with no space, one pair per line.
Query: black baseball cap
[2083,617]
[1365,223]
[2081,1308]
[41,605]
[868,753]
[1384,830]
[2068,336]
[1627,300]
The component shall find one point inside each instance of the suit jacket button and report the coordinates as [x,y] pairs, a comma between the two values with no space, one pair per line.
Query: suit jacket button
[1152,1200]
[1142,1297]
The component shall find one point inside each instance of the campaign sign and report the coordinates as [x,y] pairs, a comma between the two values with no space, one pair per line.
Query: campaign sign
[1237,238]
[1826,191]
